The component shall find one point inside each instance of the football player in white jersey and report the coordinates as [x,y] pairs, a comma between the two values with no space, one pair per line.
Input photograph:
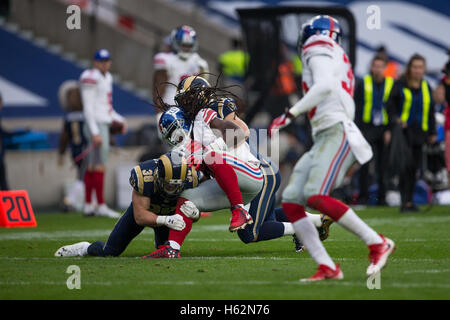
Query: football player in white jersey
[172,67]
[96,86]
[328,84]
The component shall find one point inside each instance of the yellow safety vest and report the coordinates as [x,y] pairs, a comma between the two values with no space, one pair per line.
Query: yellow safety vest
[407,102]
[368,97]
[234,62]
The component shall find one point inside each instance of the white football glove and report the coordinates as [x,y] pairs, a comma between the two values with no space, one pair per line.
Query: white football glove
[175,222]
[190,210]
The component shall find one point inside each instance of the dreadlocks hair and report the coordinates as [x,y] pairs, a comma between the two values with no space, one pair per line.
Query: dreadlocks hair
[200,97]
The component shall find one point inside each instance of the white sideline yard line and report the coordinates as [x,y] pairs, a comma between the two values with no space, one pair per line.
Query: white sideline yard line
[102,234]
[361,284]
[431,271]
[217,258]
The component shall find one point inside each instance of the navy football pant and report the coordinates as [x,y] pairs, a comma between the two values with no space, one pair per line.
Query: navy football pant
[262,208]
[125,230]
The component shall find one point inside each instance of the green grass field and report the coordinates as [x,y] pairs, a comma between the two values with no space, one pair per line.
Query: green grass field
[215,264]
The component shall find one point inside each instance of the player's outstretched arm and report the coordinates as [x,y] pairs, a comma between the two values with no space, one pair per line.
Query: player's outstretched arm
[144,217]
[324,84]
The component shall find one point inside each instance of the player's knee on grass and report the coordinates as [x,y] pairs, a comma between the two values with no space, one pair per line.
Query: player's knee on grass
[246,235]
[98,249]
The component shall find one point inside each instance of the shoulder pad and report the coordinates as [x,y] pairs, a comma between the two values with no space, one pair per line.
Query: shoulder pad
[89,77]
[207,115]
[161,60]
[318,45]
[224,107]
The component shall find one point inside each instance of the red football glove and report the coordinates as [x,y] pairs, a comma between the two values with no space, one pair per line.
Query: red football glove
[282,121]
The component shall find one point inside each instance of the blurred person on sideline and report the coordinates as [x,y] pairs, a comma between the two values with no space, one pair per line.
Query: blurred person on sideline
[72,136]
[445,85]
[96,87]
[371,95]
[412,121]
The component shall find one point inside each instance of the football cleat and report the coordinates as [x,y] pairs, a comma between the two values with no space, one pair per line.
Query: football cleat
[324,272]
[88,210]
[78,249]
[299,247]
[324,229]
[104,211]
[164,251]
[378,255]
[239,218]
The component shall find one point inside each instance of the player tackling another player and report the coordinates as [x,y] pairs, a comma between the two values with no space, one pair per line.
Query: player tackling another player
[328,83]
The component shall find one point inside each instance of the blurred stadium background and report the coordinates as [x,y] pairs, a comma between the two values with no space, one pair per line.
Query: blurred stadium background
[38,53]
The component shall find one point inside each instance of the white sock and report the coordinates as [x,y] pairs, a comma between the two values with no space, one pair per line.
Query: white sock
[309,236]
[314,218]
[354,224]
[288,229]
[175,245]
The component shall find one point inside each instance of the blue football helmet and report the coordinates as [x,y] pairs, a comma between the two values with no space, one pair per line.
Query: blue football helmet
[184,41]
[321,24]
[174,126]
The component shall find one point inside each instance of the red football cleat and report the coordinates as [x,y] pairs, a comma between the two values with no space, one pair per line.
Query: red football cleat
[239,218]
[164,251]
[378,255]
[324,272]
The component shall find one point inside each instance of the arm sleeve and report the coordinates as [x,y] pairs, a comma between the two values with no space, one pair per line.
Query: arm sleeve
[88,93]
[160,61]
[135,181]
[324,82]
[117,117]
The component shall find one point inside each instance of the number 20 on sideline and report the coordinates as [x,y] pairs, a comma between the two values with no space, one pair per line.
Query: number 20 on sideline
[16,210]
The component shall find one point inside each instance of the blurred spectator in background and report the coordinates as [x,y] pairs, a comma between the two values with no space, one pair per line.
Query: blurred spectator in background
[392,68]
[445,85]
[3,180]
[233,63]
[232,67]
[412,121]
[96,86]
[72,135]
[371,95]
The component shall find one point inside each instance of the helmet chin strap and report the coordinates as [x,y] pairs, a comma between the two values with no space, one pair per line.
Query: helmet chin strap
[184,55]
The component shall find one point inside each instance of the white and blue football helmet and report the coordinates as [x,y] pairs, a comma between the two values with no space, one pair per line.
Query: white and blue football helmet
[184,41]
[174,126]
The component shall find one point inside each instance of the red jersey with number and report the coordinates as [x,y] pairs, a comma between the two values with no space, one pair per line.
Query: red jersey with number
[338,106]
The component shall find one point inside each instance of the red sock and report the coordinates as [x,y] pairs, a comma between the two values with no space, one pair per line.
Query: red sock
[179,236]
[328,205]
[88,186]
[225,177]
[293,211]
[98,178]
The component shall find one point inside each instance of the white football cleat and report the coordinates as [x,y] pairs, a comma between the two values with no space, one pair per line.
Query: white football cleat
[104,211]
[88,210]
[378,255]
[78,249]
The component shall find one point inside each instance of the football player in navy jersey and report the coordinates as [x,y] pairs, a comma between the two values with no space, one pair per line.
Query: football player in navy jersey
[156,186]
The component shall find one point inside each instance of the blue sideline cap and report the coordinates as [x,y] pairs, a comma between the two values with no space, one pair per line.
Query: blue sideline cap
[102,55]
